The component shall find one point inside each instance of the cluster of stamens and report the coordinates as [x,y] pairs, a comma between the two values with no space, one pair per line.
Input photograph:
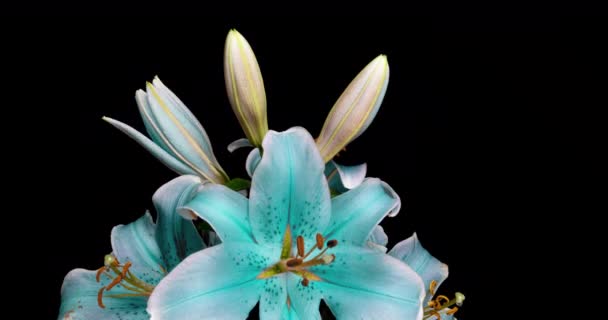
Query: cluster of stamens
[441,303]
[299,264]
[120,274]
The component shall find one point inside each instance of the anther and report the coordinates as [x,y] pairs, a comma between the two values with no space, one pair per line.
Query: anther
[294,262]
[99,272]
[432,287]
[300,243]
[99,298]
[332,243]
[320,241]
[305,282]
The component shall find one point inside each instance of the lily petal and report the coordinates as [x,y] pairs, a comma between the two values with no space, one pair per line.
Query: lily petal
[288,186]
[175,128]
[378,239]
[342,178]
[304,300]
[356,212]
[176,236]
[79,299]
[136,243]
[215,283]
[418,258]
[253,159]
[237,144]
[224,209]
[355,109]
[163,156]
[289,314]
[245,87]
[366,284]
[274,298]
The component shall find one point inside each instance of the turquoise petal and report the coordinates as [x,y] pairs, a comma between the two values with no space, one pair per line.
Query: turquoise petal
[224,209]
[378,239]
[274,297]
[136,243]
[305,301]
[342,178]
[366,284]
[418,258]
[184,116]
[216,283]
[176,132]
[253,159]
[288,186]
[356,212]
[289,314]
[237,144]
[79,299]
[163,156]
[176,236]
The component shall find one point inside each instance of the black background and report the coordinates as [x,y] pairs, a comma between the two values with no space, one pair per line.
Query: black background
[466,135]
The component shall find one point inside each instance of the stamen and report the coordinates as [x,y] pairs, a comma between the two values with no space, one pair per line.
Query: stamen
[99,296]
[442,297]
[294,262]
[435,306]
[300,242]
[332,243]
[122,276]
[320,241]
[99,272]
[432,287]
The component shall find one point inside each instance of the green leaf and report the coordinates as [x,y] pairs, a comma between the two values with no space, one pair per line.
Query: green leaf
[238,184]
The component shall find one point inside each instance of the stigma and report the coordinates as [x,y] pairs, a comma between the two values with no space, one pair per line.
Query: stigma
[303,259]
[119,274]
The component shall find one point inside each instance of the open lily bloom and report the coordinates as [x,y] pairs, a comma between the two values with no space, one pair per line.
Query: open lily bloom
[143,253]
[290,245]
[178,139]
[433,272]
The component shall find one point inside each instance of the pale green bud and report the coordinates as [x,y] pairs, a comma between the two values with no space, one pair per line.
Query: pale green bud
[355,109]
[245,87]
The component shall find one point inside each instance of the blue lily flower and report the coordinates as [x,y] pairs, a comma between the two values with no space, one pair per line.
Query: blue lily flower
[290,245]
[432,271]
[143,253]
[178,139]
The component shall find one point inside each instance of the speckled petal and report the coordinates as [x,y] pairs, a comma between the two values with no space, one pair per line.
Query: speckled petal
[216,283]
[356,212]
[366,284]
[136,243]
[288,186]
[79,300]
